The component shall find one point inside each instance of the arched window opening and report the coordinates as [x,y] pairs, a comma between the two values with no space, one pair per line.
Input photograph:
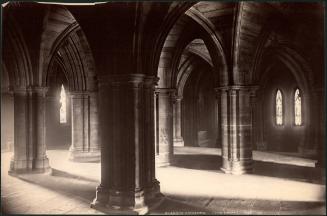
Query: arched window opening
[63,113]
[297,108]
[279,108]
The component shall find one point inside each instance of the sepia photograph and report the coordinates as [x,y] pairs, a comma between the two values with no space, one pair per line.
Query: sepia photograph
[163,107]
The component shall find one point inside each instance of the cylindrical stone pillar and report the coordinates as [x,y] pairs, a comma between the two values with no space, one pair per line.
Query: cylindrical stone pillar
[164,126]
[178,139]
[218,115]
[7,117]
[152,188]
[94,125]
[29,123]
[85,145]
[128,183]
[41,161]
[21,161]
[319,127]
[236,120]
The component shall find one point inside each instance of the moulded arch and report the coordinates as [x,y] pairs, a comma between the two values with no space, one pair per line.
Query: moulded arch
[191,62]
[16,57]
[69,48]
[292,60]
[212,42]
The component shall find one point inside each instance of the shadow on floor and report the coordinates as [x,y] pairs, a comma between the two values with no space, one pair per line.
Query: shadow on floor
[61,173]
[72,186]
[64,184]
[198,161]
[271,169]
[173,207]
[297,173]
[250,206]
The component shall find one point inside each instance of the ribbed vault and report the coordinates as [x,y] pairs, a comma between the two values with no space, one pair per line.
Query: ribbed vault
[16,58]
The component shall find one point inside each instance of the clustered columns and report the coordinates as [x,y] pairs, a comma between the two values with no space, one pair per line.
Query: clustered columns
[236,128]
[178,139]
[85,138]
[128,181]
[164,126]
[29,131]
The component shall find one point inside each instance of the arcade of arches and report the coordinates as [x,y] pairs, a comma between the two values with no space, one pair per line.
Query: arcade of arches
[127,86]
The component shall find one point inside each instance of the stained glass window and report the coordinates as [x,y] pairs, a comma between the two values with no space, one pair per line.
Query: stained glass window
[279,108]
[63,114]
[297,107]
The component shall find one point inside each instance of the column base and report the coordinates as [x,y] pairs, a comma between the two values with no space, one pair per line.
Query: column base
[237,167]
[111,210]
[152,192]
[37,166]
[127,203]
[84,156]
[178,142]
[163,160]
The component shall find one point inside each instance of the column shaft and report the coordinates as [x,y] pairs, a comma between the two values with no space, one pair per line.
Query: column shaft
[7,116]
[127,152]
[236,129]
[178,139]
[41,162]
[319,127]
[29,124]
[85,142]
[164,126]
[152,187]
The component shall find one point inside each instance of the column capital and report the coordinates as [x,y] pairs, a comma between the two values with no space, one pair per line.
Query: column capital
[122,79]
[165,92]
[40,90]
[178,98]
[7,89]
[151,81]
[238,87]
[78,94]
[19,90]
[251,89]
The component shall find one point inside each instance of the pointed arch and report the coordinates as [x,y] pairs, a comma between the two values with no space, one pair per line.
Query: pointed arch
[16,56]
[69,47]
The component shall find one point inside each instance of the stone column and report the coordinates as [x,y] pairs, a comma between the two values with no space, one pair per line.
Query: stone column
[254,132]
[178,139]
[261,144]
[7,118]
[41,161]
[128,183]
[84,115]
[21,161]
[236,129]
[164,125]
[218,115]
[152,188]
[29,124]
[319,126]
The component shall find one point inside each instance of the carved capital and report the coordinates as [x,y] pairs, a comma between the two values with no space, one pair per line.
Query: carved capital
[39,90]
[165,92]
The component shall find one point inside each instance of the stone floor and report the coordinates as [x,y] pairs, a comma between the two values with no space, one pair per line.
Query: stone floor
[194,184]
